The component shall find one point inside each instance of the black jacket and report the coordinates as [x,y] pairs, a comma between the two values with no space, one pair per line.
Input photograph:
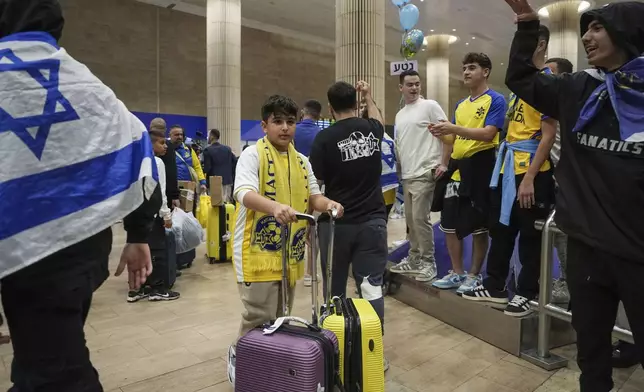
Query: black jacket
[171,184]
[601,178]
[219,160]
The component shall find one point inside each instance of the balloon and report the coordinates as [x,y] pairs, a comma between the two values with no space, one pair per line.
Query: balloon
[409,16]
[412,42]
[400,3]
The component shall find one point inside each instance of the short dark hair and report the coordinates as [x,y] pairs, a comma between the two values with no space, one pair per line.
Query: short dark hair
[155,135]
[313,108]
[278,105]
[544,33]
[342,97]
[481,59]
[563,65]
[214,133]
[410,72]
[176,126]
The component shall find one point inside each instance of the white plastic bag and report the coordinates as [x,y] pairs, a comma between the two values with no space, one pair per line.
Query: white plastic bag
[187,230]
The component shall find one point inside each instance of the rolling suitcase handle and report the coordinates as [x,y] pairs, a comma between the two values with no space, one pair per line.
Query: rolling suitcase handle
[329,261]
[286,311]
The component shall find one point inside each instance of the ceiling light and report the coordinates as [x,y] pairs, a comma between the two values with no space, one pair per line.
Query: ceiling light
[432,30]
[452,39]
[473,37]
[467,43]
[501,63]
[583,6]
[453,29]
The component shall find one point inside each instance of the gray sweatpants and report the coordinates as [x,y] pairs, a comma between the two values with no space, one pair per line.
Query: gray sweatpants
[364,247]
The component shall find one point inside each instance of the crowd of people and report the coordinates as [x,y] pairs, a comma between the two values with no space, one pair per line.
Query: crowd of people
[568,139]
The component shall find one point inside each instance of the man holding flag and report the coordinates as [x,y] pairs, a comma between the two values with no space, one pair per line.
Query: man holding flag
[75,161]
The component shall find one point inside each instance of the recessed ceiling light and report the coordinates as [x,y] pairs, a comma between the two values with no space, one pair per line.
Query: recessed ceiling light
[432,30]
[501,63]
[453,29]
[473,37]
[583,6]
[467,43]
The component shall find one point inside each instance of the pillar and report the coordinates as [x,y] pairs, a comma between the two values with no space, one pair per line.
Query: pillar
[224,70]
[360,44]
[564,30]
[437,83]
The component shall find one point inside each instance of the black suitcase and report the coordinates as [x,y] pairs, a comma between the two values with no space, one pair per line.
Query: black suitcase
[184,260]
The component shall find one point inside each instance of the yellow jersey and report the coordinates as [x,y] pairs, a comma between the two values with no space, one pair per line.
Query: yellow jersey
[525,124]
[488,108]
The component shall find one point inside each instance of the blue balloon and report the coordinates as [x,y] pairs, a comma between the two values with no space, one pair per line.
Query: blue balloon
[412,43]
[409,15]
[400,3]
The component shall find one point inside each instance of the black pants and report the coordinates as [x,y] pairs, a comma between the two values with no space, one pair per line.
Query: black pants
[158,279]
[363,247]
[597,282]
[504,238]
[46,306]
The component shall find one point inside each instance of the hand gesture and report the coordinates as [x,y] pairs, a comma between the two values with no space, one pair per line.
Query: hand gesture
[525,194]
[363,88]
[441,129]
[204,190]
[523,10]
[138,260]
[334,205]
[440,171]
[284,214]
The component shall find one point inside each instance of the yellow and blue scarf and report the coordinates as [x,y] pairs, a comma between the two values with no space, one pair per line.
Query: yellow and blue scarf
[282,178]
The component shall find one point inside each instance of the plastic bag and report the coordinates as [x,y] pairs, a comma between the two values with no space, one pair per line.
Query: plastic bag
[188,233]
[204,209]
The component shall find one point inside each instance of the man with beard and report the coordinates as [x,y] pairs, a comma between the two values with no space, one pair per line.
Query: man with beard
[600,203]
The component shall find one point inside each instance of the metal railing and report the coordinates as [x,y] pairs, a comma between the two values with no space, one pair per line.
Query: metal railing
[545,307]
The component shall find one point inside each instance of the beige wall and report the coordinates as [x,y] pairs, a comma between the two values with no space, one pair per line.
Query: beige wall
[131,46]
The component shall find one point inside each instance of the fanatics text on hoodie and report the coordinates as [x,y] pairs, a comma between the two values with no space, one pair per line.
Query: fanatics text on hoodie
[601,176]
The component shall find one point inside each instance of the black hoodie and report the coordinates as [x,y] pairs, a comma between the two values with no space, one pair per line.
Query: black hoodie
[601,178]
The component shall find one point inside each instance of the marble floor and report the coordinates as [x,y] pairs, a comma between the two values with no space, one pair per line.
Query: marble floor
[180,346]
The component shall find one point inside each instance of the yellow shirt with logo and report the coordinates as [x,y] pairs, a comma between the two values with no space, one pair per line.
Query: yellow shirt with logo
[525,124]
[488,108]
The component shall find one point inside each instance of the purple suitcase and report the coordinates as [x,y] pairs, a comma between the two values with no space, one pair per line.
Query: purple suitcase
[292,358]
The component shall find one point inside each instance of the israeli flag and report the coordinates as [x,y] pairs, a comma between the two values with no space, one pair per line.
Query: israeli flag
[73,158]
[388,177]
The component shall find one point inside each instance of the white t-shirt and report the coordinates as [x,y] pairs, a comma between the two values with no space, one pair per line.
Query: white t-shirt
[247,176]
[165,210]
[418,151]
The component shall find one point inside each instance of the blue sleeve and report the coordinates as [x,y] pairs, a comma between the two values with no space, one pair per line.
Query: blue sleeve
[544,117]
[454,112]
[496,114]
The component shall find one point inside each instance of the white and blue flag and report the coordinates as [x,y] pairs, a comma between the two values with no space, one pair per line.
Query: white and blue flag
[388,177]
[72,157]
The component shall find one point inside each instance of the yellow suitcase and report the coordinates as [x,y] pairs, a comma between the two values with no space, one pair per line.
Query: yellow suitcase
[359,331]
[219,233]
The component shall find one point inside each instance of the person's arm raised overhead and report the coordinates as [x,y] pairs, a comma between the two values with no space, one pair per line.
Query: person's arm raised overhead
[537,89]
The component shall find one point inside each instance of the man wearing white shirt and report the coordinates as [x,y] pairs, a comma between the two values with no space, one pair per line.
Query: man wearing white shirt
[420,160]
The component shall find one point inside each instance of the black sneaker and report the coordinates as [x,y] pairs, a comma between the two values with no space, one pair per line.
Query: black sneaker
[134,296]
[481,294]
[624,355]
[518,307]
[164,295]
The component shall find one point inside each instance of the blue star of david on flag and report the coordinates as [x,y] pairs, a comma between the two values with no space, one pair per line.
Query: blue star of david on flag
[57,108]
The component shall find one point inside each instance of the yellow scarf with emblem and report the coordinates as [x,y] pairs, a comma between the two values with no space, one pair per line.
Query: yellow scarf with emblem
[282,178]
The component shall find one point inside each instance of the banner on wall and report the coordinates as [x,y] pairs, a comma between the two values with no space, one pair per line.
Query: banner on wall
[398,67]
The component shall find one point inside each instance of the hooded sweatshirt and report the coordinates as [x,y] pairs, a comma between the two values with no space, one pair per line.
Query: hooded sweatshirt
[601,177]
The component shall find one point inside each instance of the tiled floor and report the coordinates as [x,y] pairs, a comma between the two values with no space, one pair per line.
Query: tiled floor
[180,346]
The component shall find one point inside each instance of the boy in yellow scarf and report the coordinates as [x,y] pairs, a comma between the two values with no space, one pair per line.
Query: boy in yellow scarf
[273,182]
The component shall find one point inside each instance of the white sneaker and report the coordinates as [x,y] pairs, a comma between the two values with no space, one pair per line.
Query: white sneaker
[407,266]
[232,358]
[428,273]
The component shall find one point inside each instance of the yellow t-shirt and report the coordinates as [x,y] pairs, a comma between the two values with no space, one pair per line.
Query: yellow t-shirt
[487,109]
[525,124]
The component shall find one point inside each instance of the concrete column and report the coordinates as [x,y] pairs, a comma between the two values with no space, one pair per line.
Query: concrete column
[437,83]
[360,44]
[563,21]
[224,70]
